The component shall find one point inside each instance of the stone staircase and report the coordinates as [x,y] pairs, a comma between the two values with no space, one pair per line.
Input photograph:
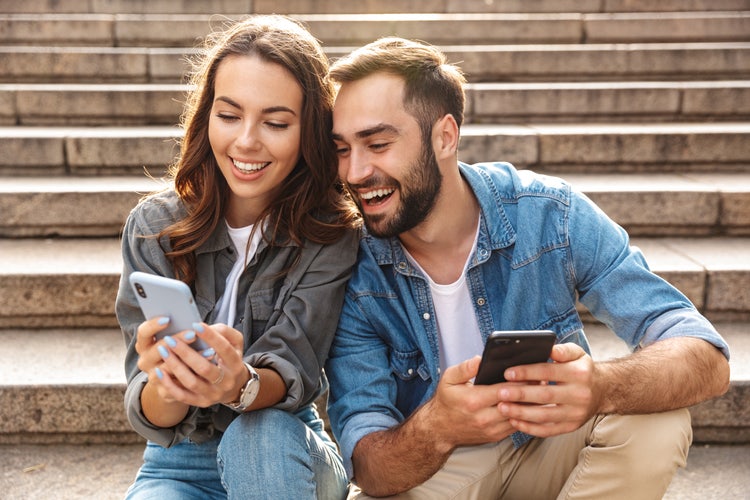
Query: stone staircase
[643,105]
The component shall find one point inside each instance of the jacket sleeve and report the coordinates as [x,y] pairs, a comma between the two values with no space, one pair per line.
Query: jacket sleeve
[141,252]
[615,283]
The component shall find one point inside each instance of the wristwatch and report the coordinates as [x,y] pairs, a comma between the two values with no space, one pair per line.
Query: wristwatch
[248,393]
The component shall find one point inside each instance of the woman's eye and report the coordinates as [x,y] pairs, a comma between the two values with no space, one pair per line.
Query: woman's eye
[278,126]
[226,118]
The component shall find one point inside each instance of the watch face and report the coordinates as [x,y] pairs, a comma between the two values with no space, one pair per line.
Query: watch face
[250,392]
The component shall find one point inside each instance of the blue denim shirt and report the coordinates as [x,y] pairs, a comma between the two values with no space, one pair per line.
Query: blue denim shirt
[540,246]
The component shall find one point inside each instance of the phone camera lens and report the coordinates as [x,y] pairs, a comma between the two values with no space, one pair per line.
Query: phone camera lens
[140,290]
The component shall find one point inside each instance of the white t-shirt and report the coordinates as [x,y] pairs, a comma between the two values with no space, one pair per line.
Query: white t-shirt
[245,251]
[458,330]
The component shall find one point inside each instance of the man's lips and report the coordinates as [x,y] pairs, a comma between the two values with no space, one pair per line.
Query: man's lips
[373,197]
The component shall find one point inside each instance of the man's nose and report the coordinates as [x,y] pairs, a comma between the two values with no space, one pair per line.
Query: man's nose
[359,167]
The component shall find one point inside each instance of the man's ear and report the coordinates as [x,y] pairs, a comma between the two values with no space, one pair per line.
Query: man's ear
[445,135]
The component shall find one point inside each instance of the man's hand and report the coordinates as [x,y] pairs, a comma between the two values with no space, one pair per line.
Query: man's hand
[547,399]
[461,413]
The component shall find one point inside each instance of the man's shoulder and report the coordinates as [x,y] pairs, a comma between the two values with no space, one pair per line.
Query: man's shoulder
[507,182]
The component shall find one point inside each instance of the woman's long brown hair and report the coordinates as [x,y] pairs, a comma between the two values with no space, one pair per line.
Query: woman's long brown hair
[311,205]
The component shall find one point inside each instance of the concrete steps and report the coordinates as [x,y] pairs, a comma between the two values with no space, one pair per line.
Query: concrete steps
[161,104]
[38,471]
[61,282]
[644,204]
[644,106]
[74,376]
[362,7]
[482,63]
[556,147]
[177,30]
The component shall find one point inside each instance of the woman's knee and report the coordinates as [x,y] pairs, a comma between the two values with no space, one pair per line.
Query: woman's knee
[262,430]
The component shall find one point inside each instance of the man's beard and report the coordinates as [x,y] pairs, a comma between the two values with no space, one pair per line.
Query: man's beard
[418,194]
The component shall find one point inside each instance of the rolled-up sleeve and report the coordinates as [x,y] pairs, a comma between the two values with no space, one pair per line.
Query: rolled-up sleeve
[617,286]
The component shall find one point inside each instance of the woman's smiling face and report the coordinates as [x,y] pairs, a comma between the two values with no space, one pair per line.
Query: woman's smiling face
[254,131]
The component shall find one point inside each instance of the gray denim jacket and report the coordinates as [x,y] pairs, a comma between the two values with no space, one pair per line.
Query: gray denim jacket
[288,320]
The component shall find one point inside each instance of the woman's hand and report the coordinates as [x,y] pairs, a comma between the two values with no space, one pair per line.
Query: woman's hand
[199,378]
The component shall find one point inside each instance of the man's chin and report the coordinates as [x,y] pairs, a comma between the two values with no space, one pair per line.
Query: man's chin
[377,226]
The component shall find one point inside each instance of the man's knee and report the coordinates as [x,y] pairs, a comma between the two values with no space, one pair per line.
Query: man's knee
[654,444]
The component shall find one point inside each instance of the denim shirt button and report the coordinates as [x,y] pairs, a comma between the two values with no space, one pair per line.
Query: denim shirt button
[483,252]
[426,316]
[410,371]
[402,265]
[481,301]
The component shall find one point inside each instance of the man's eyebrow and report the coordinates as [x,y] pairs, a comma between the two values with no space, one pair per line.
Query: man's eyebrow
[265,111]
[377,129]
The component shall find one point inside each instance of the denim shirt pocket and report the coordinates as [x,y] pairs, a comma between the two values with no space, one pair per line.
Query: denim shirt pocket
[412,378]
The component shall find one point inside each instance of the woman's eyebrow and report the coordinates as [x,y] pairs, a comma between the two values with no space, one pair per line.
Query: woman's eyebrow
[265,111]
[229,101]
[278,109]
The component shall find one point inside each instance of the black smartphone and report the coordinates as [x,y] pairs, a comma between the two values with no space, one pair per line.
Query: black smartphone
[161,296]
[512,348]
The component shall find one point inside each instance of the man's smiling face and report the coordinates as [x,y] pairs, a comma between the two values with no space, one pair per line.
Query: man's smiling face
[383,158]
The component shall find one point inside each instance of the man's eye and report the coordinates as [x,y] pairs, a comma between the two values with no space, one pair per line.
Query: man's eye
[342,150]
[379,145]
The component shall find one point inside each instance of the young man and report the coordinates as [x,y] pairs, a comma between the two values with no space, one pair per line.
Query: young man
[453,252]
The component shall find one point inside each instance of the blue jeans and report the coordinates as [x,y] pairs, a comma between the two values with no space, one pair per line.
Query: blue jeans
[263,454]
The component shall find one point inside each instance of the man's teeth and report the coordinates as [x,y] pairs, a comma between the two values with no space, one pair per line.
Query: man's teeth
[249,167]
[378,193]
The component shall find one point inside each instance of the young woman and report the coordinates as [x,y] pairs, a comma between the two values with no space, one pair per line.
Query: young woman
[256,225]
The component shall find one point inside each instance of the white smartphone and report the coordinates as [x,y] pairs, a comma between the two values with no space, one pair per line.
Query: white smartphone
[162,296]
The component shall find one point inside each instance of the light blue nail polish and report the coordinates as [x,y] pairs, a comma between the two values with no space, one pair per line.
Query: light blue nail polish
[170,341]
[163,320]
[189,335]
[159,373]
[163,351]
[198,327]
[208,352]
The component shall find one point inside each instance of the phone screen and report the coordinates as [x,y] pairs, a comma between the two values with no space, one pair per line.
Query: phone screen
[505,349]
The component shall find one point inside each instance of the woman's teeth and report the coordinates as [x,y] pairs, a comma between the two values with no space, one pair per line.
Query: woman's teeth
[249,167]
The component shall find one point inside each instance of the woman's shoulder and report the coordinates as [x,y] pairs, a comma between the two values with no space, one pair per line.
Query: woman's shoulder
[158,210]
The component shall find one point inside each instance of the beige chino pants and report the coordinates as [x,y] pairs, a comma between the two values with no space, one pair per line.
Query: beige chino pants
[610,457]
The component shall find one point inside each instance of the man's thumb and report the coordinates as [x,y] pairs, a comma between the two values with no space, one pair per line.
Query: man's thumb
[462,372]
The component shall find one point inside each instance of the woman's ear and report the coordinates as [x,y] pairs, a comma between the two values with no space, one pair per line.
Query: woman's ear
[445,135]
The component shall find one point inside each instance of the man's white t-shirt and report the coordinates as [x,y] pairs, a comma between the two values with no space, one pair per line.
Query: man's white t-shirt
[458,330]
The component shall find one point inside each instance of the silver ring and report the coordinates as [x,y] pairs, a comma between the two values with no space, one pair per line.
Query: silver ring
[220,377]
